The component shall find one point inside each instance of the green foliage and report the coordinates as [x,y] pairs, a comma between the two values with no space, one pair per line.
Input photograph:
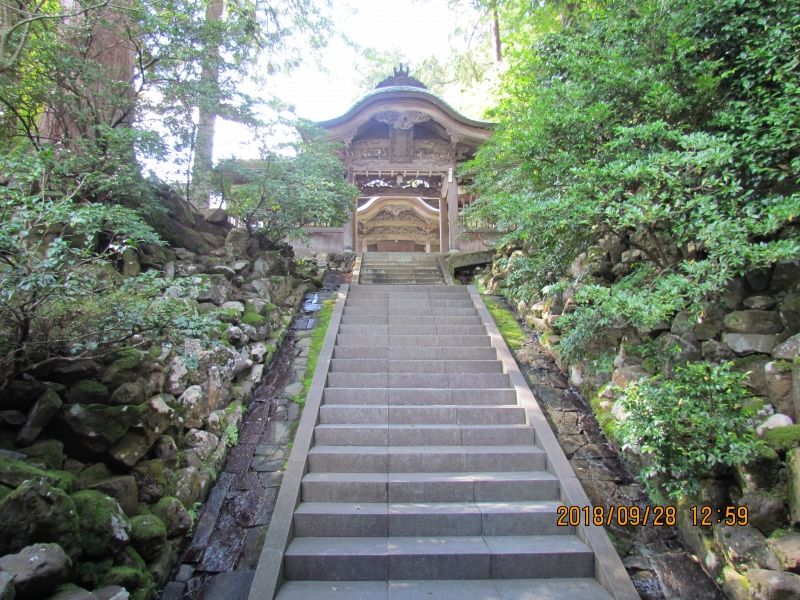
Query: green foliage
[687,425]
[663,127]
[282,193]
[60,296]
[231,436]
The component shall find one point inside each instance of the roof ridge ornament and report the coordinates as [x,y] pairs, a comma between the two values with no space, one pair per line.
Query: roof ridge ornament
[401,77]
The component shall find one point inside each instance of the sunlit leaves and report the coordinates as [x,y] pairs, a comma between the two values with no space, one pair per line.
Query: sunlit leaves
[686,425]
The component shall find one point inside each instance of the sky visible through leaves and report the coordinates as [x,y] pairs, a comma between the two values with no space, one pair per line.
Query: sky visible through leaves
[326,88]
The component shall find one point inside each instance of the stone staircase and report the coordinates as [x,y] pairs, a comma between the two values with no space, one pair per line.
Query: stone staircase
[423,477]
[400,268]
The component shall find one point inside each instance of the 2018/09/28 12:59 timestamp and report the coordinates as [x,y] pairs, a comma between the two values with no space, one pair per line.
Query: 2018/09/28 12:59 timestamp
[656,516]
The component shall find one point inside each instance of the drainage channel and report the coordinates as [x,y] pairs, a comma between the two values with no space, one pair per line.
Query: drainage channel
[220,559]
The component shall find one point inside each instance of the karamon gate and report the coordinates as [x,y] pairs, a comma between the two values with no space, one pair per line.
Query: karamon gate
[401,145]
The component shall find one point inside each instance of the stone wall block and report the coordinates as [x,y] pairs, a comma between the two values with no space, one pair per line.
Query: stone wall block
[754,321]
[46,407]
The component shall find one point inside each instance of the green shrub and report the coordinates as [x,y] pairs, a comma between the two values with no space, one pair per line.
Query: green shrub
[687,425]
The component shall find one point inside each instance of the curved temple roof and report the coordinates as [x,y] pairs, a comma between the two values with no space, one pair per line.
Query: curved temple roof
[399,92]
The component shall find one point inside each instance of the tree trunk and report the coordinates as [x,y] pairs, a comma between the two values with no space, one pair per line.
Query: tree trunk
[498,48]
[208,109]
[106,97]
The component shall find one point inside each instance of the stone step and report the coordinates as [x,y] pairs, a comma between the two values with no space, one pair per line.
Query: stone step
[419,397]
[431,353]
[377,365]
[345,434]
[500,486]
[428,459]
[356,289]
[445,557]
[442,311]
[453,381]
[432,270]
[392,319]
[367,519]
[478,589]
[443,294]
[413,302]
[399,414]
[391,281]
[412,329]
[358,339]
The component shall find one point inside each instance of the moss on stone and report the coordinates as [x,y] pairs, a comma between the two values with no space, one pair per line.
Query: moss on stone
[93,474]
[251,317]
[88,391]
[103,526]
[128,358]
[130,571]
[5,491]
[782,439]
[148,534]
[137,581]
[13,472]
[782,366]
[90,573]
[603,413]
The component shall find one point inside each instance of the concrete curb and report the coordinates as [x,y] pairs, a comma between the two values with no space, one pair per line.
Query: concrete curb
[357,268]
[609,570]
[448,276]
[269,574]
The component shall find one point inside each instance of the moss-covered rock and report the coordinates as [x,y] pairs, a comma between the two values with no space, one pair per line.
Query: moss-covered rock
[39,417]
[88,391]
[253,318]
[191,485]
[137,581]
[14,472]
[122,488]
[131,448]
[130,572]
[89,573]
[92,474]
[148,534]
[97,426]
[128,393]
[152,478]
[174,516]
[104,528]
[49,453]
[125,368]
[161,566]
[37,511]
[783,439]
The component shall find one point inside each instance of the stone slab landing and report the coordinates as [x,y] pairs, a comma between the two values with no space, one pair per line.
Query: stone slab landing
[424,468]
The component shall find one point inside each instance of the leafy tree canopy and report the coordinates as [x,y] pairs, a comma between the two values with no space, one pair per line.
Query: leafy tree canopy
[663,127]
[289,188]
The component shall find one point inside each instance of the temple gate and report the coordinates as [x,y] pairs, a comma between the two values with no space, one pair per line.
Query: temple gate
[401,148]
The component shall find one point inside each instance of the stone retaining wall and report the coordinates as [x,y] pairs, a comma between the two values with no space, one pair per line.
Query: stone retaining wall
[755,324]
[103,464]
